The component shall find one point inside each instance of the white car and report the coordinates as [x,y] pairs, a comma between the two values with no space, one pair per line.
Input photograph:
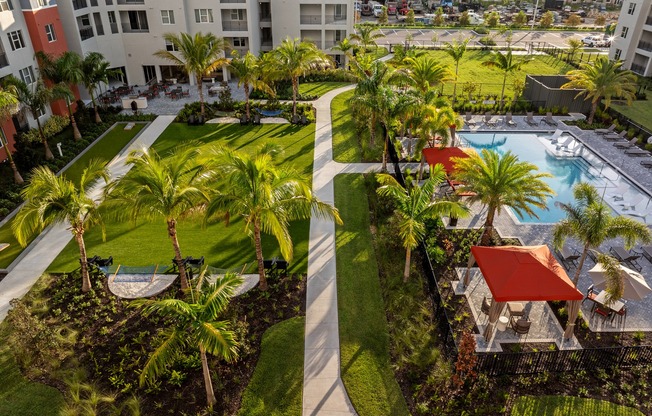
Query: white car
[598,41]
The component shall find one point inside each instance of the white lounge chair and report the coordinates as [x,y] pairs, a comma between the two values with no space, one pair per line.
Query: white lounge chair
[615,136]
[630,204]
[556,135]
[566,143]
[468,119]
[618,194]
[489,120]
[639,214]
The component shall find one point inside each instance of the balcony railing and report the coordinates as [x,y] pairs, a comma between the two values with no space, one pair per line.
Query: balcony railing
[339,19]
[646,46]
[126,28]
[266,18]
[233,1]
[310,19]
[131,1]
[234,25]
[639,69]
[266,42]
[86,32]
[3,60]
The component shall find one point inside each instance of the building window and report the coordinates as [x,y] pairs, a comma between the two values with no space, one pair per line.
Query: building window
[167,16]
[113,22]
[49,32]
[617,54]
[237,14]
[42,3]
[109,2]
[623,34]
[239,42]
[632,8]
[204,15]
[16,40]
[93,3]
[27,75]
[5,5]
[99,27]
[169,46]
[138,21]
[79,4]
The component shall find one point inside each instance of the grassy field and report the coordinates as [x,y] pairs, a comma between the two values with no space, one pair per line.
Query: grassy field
[345,148]
[105,149]
[320,88]
[364,338]
[639,112]
[281,355]
[565,405]
[224,247]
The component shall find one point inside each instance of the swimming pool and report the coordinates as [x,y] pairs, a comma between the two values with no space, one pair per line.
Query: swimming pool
[569,165]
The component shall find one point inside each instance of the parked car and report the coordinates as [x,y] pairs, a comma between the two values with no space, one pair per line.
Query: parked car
[596,41]
[391,8]
[378,9]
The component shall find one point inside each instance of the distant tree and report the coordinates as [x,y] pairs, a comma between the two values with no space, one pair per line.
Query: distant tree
[574,45]
[96,71]
[547,19]
[600,20]
[409,18]
[439,19]
[366,35]
[456,51]
[520,19]
[492,19]
[573,20]
[249,71]
[465,20]
[506,63]
[345,46]
[384,17]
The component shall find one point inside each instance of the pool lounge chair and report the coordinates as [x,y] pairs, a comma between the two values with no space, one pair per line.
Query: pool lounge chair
[556,135]
[509,121]
[637,152]
[612,137]
[548,120]
[630,204]
[626,258]
[567,257]
[605,131]
[639,214]
[647,163]
[627,144]
[618,194]
[468,119]
[529,119]
[645,251]
[566,143]
[488,119]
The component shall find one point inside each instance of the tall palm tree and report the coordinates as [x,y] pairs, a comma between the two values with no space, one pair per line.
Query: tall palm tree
[8,104]
[161,188]
[506,63]
[366,35]
[500,182]
[456,51]
[424,73]
[249,71]
[51,199]
[194,324]
[63,71]
[364,101]
[295,58]
[600,80]
[589,221]
[345,46]
[414,205]
[199,55]
[574,45]
[96,71]
[267,196]
[35,96]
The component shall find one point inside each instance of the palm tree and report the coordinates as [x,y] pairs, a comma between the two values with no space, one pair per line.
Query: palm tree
[266,195]
[456,51]
[161,188]
[249,71]
[345,46]
[364,101]
[63,72]
[35,96]
[600,80]
[506,63]
[8,103]
[574,45]
[96,71]
[193,324]
[414,205]
[51,199]
[500,182]
[589,220]
[424,72]
[366,36]
[199,55]
[295,58]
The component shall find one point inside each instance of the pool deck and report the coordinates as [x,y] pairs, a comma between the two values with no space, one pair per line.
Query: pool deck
[639,313]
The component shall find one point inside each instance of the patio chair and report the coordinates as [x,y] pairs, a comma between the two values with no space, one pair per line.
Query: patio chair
[627,258]
[605,131]
[568,257]
[555,136]
[591,294]
[566,144]
[612,137]
[621,315]
[548,120]
[295,119]
[627,144]
[304,120]
[521,326]
[618,194]
[593,255]
[488,119]
[468,119]
[529,119]
[637,152]
[485,306]
[602,311]
[244,120]
[509,121]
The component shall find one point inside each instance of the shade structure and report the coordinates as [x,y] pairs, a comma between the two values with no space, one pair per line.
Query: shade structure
[529,273]
[634,284]
[443,155]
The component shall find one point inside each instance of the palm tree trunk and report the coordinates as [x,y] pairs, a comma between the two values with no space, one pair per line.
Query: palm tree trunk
[259,256]
[98,120]
[502,92]
[75,130]
[172,233]
[594,108]
[488,227]
[576,278]
[86,280]
[295,92]
[17,178]
[423,159]
[372,129]
[201,93]
[406,271]
[452,129]
[48,152]
[246,91]
[457,67]
[210,395]
[385,149]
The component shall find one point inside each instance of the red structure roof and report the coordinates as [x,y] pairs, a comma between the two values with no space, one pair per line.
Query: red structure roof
[524,274]
[443,155]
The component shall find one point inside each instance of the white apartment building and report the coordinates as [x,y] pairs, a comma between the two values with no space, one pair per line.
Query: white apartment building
[633,42]
[128,32]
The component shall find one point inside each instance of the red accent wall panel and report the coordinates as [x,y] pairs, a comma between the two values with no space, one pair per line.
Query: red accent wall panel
[9,130]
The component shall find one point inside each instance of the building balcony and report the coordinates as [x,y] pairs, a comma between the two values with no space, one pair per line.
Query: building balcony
[128,2]
[335,19]
[233,1]
[646,46]
[3,60]
[310,19]
[86,32]
[266,18]
[234,26]
[127,28]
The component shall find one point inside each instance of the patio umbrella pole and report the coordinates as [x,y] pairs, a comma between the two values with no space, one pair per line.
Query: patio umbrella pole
[573,308]
[467,276]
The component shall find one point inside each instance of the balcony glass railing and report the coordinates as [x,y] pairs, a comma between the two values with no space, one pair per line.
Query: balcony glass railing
[86,32]
[234,25]
[131,1]
[3,60]
[127,28]
[233,1]
[646,46]
[310,19]
[335,19]
[639,69]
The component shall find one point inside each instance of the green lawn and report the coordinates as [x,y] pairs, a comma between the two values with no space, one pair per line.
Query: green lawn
[105,148]
[566,405]
[223,247]
[320,88]
[639,112]
[345,148]
[19,396]
[277,384]
[364,338]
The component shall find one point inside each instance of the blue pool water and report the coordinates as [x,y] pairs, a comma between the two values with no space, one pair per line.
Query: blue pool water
[568,168]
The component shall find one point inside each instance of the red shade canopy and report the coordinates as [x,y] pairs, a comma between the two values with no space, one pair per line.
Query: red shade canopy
[524,273]
[443,155]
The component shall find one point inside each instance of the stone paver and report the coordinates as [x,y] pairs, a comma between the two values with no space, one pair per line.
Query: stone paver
[50,243]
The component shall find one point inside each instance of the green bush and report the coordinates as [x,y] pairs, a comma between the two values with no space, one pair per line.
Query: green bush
[54,125]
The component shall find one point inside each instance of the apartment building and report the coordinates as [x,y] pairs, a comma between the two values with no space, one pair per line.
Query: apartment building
[633,42]
[128,32]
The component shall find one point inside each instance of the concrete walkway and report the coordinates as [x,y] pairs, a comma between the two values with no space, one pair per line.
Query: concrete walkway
[51,242]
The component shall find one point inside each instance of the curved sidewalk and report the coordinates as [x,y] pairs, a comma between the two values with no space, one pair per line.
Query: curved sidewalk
[51,242]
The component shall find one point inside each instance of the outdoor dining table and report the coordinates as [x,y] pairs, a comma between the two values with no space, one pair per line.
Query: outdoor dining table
[615,306]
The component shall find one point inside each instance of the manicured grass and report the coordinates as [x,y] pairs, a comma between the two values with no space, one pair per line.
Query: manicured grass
[566,405]
[364,338]
[491,80]
[105,149]
[222,246]
[346,148]
[19,396]
[639,112]
[277,384]
[320,88]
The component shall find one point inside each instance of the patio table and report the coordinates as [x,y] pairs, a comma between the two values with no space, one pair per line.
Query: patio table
[502,323]
[614,306]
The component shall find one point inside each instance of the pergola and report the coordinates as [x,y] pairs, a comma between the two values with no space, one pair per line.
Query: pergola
[529,273]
